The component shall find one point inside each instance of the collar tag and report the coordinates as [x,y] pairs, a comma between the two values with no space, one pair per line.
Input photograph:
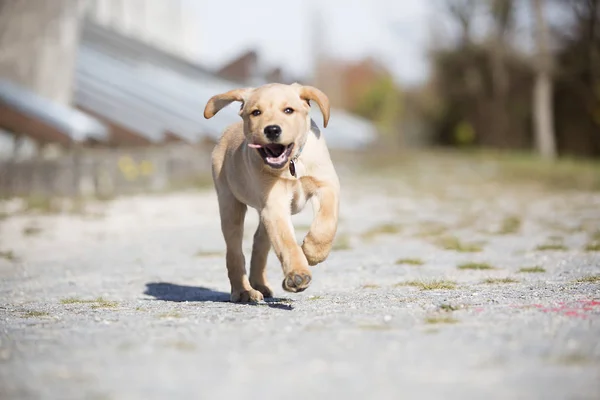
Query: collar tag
[293,161]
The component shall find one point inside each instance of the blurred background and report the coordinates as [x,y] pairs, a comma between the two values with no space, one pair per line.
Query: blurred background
[103,97]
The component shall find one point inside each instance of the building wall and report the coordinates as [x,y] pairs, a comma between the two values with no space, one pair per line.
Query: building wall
[9,149]
[38,40]
[171,25]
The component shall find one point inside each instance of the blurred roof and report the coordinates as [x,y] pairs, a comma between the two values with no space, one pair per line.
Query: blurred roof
[346,130]
[152,92]
[74,124]
[144,89]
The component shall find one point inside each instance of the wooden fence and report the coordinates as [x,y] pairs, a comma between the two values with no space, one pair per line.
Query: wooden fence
[105,173]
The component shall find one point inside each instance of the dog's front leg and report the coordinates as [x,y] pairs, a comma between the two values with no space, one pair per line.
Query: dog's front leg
[317,243]
[277,220]
[232,214]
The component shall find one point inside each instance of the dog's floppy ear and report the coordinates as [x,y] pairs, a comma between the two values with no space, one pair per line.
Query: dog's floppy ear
[312,93]
[219,101]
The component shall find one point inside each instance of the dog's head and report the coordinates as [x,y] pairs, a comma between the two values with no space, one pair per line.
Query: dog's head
[276,117]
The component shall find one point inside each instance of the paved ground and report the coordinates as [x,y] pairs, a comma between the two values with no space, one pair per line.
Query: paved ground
[128,299]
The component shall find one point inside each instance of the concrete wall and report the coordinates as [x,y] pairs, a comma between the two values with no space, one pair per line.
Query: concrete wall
[170,25]
[106,172]
[38,43]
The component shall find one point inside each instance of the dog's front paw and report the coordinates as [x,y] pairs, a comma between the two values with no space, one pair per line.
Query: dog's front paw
[314,251]
[297,281]
[246,296]
[264,288]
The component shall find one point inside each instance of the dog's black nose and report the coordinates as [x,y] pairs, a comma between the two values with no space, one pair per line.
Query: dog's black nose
[272,132]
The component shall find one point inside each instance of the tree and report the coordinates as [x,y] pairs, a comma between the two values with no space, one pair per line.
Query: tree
[38,45]
[503,19]
[463,11]
[502,13]
[543,89]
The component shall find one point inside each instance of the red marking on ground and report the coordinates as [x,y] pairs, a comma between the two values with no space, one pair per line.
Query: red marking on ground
[579,309]
[574,314]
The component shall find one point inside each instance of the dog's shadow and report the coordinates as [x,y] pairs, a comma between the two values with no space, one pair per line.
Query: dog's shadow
[166,291]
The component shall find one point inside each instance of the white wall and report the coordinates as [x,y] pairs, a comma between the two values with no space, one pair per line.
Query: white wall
[26,150]
[167,24]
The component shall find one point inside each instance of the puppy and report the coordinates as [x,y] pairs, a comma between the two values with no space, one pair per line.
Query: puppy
[275,160]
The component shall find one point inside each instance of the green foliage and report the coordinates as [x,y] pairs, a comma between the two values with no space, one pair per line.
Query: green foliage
[484,83]
[381,103]
[464,134]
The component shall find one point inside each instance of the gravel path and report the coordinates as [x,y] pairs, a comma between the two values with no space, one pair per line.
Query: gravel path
[128,299]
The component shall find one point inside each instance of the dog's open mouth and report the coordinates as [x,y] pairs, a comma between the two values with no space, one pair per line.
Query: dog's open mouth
[273,154]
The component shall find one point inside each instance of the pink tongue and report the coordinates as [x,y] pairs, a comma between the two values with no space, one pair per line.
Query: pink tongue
[254,146]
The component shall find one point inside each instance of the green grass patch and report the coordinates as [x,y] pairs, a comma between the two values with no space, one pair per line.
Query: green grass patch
[551,247]
[437,284]
[507,167]
[497,281]
[409,261]
[510,225]
[370,286]
[532,270]
[476,266]
[589,279]
[75,300]
[99,302]
[209,253]
[454,244]
[172,314]
[383,229]
[563,173]
[592,246]
[572,360]
[41,204]
[103,303]
[35,314]
[313,298]
[31,231]
[442,319]
[341,243]
[9,255]
[448,308]
[431,230]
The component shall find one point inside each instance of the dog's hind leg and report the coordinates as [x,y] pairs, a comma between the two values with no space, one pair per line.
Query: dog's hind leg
[258,262]
[317,243]
[232,214]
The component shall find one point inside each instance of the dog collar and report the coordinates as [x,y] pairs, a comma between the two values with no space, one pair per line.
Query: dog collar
[293,161]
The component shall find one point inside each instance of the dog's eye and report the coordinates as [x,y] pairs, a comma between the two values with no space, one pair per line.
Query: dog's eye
[256,113]
[288,110]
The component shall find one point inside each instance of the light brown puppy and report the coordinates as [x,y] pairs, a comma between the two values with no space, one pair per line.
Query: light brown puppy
[251,167]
